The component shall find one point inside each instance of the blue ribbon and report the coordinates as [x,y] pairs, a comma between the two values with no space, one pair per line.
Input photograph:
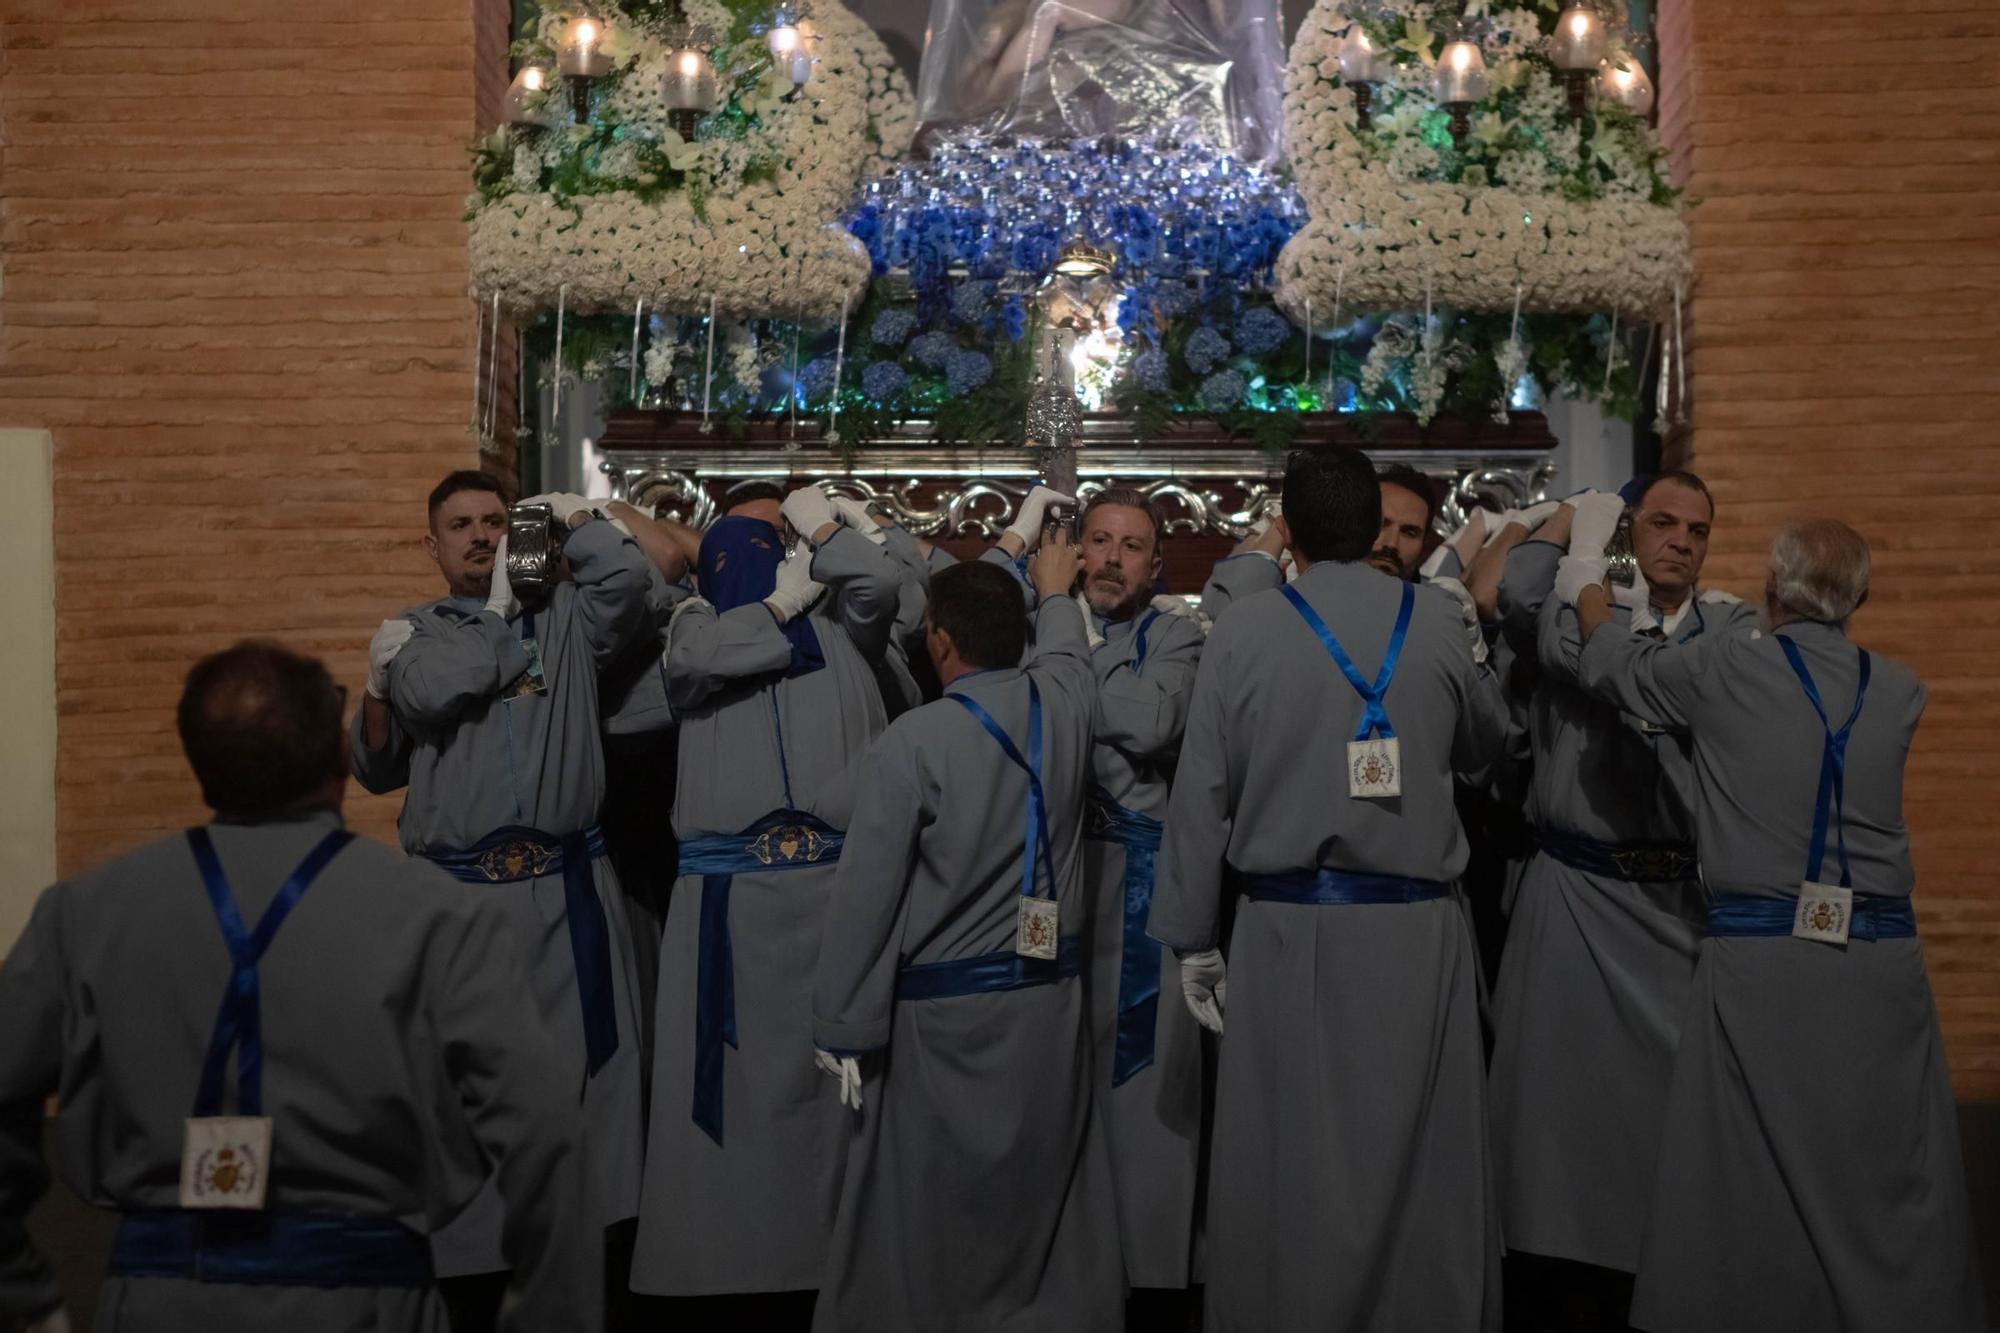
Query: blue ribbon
[1139,960]
[516,853]
[1875,917]
[1374,718]
[1038,815]
[981,973]
[287,1249]
[1328,887]
[1832,764]
[718,859]
[240,1021]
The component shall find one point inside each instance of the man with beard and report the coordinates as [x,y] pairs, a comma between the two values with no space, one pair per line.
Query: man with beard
[1149,1054]
[1349,1181]
[1604,931]
[489,710]
[1809,1174]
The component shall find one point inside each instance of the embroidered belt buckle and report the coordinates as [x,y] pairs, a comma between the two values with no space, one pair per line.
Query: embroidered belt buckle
[1824,914]
[789,843]
[516,859]
[1097,819]
[1647,864]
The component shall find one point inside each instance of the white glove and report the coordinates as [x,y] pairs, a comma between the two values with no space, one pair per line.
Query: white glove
[1530,518]
[853,514]
[564,505]
[845,1068]
[808,510]
[382,649]
[1089,623]
[500,597]
[1640,594]
[1027,524]
[1574,574]
[1468,611]
[1205,987]
[796,591]
[1597,515]
[1172,604]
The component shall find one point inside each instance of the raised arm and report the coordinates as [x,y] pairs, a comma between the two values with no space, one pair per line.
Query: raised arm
[706,650]
[863,585]
[453,661]
[1656,681]
[854,992]
[1141,711]
[1188,901]
[383,767]
[1250,568]
[613,578]
[31,1000]
[1060,659]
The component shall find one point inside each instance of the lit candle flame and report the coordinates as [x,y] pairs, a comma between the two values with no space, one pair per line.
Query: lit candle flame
[531,78]
[689,62]
[1579,24]
[1461,56]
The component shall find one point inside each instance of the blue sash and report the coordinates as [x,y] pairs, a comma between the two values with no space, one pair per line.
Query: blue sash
[1832,767]
[1037,835]
[1875,917]
[1374,717]
[1005,970]
[781,840]
[240,1020]
[1139,962]
[1632,862]
[1328,887]
[512,854]
[284,1249]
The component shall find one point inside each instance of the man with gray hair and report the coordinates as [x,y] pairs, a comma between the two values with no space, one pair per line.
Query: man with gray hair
[1809,1173]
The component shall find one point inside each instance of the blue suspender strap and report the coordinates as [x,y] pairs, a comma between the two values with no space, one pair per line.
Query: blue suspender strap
[781,840]
[1328,887]
[239,1022]
[1875,917]
[1832,764]
[1038,815]
[1138,662]
[1374,718]
[288,1249]
[1139,959]
[1005,970]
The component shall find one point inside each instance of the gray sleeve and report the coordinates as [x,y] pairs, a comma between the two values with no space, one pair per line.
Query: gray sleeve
[1479,742]
[384,770]
[1188,901]
[1141,713]
[706,650]
[864,584]
[854,991]
[1449,565]
[31,998]
[913,582]
[1558,641]
[1526,581]
[1236,577]
[615,590]
[502,1063]
[1654,681]
[1017,568]
[451,663]
[1060,660]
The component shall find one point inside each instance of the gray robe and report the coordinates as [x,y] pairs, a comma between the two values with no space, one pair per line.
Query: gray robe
[1588,1005]
[1154,1119]
[401,1057]
[977,1191]
[1350,1183]
[900,691]
[752,1214]
[1809,1173]
[475,762]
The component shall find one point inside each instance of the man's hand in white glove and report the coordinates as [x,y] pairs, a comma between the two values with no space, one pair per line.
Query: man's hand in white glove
[796,591]
[1574,574]
[853,514]
[382,649]
[810,513]
[1026,529]
[1639,595]
[1205,986]
[1597,515]
[1267,536]
[564,505]
[1530,518]
[1172,604]
[1468,611]
[500,596]
[847,1070]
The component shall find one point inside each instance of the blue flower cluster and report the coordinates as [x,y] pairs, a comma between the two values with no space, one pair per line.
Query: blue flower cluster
[1150,371]
[1223,391]
[1262,331]
[883,380]
[966,371]
[892,328]
[816,380]
[933,349]
[1205,350]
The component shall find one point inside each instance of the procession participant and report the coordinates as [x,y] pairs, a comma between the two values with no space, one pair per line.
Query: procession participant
[977,1193]
[1809,1174]
[1350,1107]
[1602,940]
[498,706]
[1255,564]
[745,1142]
[279,1048]
[1148,1055]
[1409,506]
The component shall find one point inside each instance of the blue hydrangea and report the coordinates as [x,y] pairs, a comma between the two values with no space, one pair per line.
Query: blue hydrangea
[1151,371]
[1205,350]
[1013,320]
[933,349]
[883,381]
[892,328]
[816,379]
[1222,391]
[966,371]
[1262,331]
[1175,299]
[971,301]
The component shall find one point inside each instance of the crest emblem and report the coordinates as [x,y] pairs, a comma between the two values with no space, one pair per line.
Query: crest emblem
[515,860]
[789,843]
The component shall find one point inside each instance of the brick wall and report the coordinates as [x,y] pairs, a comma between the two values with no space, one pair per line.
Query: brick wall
[235,291]
[1847,249]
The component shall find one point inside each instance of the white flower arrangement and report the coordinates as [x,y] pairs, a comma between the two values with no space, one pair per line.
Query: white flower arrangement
[753,228]
[1527,209]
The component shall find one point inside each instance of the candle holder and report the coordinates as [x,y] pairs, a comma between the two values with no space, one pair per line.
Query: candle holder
[1628,87]
[689,86]
[526,101]
[1577,48]
[1460,83]
[580,58]
[1361,67]
[790,50]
